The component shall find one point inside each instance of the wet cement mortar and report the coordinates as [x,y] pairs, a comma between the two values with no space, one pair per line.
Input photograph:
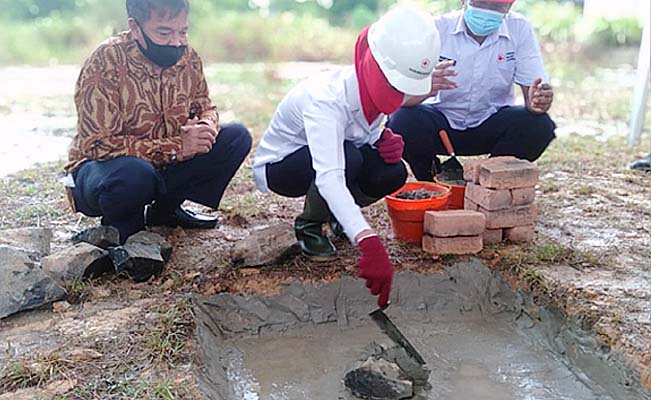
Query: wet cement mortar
[476,333]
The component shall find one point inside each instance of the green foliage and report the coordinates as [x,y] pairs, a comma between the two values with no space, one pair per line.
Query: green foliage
[617,31]
[554,21]
[287,36]
[66,31]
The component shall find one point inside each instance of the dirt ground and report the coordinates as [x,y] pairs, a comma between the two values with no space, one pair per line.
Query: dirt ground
[113,339]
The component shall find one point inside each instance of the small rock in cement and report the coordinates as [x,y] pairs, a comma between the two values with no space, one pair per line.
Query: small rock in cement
[378,379]
[80,261]
[138,261]
[33,239]
[151,238]
[411,369]
[100,236]
[23,284]
[264,245]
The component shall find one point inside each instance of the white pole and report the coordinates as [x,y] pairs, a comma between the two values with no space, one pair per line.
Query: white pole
[641,93]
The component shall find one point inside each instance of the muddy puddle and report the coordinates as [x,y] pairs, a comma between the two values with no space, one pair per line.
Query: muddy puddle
[481,340]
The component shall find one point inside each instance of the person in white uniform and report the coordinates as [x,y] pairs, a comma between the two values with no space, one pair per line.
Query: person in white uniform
[326,142]
[487,49]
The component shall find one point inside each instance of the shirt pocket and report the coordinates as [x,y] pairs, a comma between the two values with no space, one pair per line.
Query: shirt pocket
[504,79]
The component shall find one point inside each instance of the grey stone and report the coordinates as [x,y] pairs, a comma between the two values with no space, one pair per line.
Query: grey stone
[411,369]
[146,237]
[80,261]
[138,261]
[100,236]
[264,245]
[33,239]
[378,379]
[23,284]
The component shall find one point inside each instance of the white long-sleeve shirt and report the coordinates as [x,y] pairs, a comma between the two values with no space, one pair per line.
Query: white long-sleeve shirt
[321,112]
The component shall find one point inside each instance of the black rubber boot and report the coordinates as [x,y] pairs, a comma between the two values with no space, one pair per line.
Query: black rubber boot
[643,164]
[308,227]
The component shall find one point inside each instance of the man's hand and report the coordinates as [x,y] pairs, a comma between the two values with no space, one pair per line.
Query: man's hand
[376,268]
[439,82]
[197,138]
[539,97]
[439,77]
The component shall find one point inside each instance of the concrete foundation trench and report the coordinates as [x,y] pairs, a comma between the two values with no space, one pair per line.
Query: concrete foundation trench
[480,338]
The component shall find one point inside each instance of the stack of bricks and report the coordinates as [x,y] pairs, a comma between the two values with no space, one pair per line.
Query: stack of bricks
[453,232]
[503,189]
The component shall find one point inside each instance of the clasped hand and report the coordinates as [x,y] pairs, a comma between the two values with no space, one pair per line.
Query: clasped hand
[197,137]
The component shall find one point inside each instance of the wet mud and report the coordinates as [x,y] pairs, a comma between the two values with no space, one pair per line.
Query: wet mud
[476,333]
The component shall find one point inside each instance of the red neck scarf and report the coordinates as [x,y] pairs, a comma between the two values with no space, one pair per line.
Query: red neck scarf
[377,95]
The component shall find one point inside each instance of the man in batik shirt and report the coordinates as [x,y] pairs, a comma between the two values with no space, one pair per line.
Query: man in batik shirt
[148,135]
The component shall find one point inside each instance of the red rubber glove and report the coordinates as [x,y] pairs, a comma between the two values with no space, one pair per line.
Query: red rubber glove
[376,268]
[390,146]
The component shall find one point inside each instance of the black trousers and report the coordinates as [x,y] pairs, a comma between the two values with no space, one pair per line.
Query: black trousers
[120,188]
[367,175]
[511,131]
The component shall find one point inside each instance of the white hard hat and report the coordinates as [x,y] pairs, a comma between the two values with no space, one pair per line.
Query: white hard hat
[405,43]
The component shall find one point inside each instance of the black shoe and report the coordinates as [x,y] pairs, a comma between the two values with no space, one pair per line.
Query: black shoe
[312,241]
[186,219]
[643,164]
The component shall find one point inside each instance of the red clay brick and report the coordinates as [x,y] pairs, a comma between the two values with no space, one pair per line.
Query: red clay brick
[523,196]
[454,223]
[511,217]
[519,233]
[508,174]
[470,205]
[492,236]
[471,170]
[490,199]
[452,245]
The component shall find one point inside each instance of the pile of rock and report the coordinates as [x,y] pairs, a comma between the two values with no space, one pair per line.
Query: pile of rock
[503,189]
[31,277]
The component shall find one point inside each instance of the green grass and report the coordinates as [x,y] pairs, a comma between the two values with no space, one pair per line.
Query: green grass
[25,373]
[166,340]
[156,388]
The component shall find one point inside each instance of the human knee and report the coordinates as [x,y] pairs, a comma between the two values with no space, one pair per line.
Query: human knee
[403,120]
[539,134]
[385,181]
[396,176]
[135,182]
[238,137]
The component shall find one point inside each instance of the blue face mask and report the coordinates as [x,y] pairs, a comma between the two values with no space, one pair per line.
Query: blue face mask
[482,22]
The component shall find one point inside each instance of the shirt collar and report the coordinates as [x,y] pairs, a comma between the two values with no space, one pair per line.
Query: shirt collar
[460,27]
[352,90]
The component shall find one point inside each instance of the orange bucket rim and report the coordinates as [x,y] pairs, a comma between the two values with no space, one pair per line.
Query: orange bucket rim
[445,194]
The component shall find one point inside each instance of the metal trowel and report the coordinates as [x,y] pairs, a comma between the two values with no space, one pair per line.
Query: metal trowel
[392,331]
[451,169]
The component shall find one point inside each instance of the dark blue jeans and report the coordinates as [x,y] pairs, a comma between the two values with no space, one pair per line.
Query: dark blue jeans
[118,189]
[511,131]
[368,177]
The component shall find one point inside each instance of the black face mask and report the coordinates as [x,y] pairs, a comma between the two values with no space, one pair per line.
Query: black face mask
[161,55]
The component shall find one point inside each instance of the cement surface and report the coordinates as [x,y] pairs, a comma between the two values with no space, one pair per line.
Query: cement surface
[469,358]
[478,336]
